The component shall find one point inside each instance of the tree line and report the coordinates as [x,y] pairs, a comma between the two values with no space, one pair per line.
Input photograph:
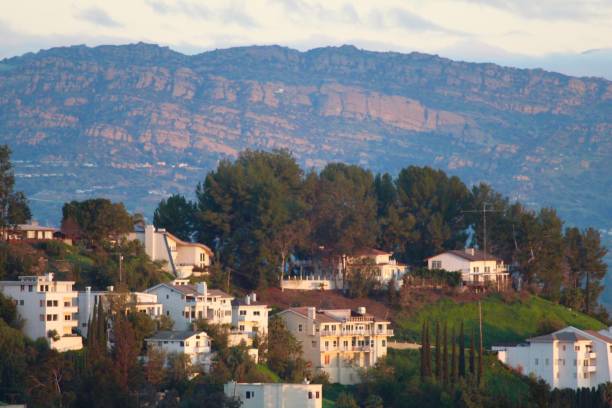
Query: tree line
[262,209]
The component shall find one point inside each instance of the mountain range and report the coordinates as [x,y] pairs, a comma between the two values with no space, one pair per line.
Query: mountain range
[138,122]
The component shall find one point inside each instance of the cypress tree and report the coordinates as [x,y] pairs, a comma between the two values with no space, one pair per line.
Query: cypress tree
[422,352]
[427,352]
[445,354]
[461,352]
[438,356]
[472,347]
[453,371]
[91,328]
[480,361]
[101,331]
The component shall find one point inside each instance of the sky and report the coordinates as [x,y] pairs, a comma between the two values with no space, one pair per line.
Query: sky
[570,36]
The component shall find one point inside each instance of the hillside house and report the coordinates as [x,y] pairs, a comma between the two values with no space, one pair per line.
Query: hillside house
[129,302]
[195,345]
[478,269]
[48,308]
[276,395]
[182,259]
[328,272]
[567,358]
[185,303]
[339,342]
[32,231]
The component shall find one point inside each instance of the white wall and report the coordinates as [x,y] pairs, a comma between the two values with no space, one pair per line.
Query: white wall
[268,395]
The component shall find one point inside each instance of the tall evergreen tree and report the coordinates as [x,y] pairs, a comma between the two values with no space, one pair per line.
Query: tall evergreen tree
[177,215]
[472,357]
[453,361]
[438,354]
[480,361]
[422,352]
[445,354]
[461,352]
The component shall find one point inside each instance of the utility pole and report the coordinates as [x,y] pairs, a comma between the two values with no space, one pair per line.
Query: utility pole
[120,268]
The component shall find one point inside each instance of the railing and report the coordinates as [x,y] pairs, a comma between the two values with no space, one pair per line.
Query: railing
[373,332]
[591,355]
[590,368]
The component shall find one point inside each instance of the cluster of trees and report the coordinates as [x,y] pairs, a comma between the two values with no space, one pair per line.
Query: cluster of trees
[261,209]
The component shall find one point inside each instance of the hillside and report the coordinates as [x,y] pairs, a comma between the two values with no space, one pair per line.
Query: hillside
[504,321]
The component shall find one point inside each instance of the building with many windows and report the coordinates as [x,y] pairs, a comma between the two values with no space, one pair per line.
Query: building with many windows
[339,342]
[567,358]
[276,395]
[250,316]
[183,259]
[185,303]
[48,308]
[477,267]
[195,345]
[127,302]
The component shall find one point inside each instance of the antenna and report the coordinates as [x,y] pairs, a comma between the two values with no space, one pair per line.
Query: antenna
[484,212]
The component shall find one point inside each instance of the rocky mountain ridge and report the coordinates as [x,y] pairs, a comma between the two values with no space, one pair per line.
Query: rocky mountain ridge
[138,122]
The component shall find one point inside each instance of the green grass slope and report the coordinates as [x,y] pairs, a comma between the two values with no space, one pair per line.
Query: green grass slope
[503,321]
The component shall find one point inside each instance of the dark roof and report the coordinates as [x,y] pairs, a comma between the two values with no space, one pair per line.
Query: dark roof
[562,336]
[217,292]
[173,335]
[599,336]
[473,255]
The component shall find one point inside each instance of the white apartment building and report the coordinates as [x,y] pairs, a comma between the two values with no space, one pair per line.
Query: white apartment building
[276,395]
[476,267]
[250,316]
[339,342]
[47,307]
[185,303]
[139,302]
[183,259]
[195,345]
[567,358]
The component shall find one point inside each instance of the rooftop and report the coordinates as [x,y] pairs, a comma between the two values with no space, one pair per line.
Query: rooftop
[174,335]
[471,254]
[562,336]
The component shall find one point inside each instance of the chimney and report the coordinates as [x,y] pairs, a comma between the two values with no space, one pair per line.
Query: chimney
[201,288]
[49,276]
[361,310]
[469,251]
[110,288]
[247,299]
[254,297]
[312,312]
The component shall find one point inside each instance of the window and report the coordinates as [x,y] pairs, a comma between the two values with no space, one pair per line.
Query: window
[436,264]
[243,313]
[182,344]
[67,304]
[256,313]
[317,395]
[300,328]
[309,394]
[67,317]
[476,269]
[30,288]
[326,359]
[250,394]
[487,269]
[345,344]
[241,327]
[21,302]
[577,348]
[335,344]
[384,343]
[326,327]
[326,345]
[186,344]
[536,361]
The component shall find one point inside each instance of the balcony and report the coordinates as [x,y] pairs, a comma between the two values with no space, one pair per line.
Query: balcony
[590,368]
[591,355]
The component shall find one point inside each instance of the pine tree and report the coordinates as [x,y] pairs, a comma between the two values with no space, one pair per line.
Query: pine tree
[453,371]
[427,352]
[438,368]
[472,350]
[422,352]
[480,361]
[445,354]
[461,352]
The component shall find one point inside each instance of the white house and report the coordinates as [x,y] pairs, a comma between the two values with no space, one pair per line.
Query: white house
[185,303]
[139,302]
[339,342]
[49,309]
[276,395]
[567,358]
[325,272]
[250,316]
[476,267]
[195,345]
[183,259]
